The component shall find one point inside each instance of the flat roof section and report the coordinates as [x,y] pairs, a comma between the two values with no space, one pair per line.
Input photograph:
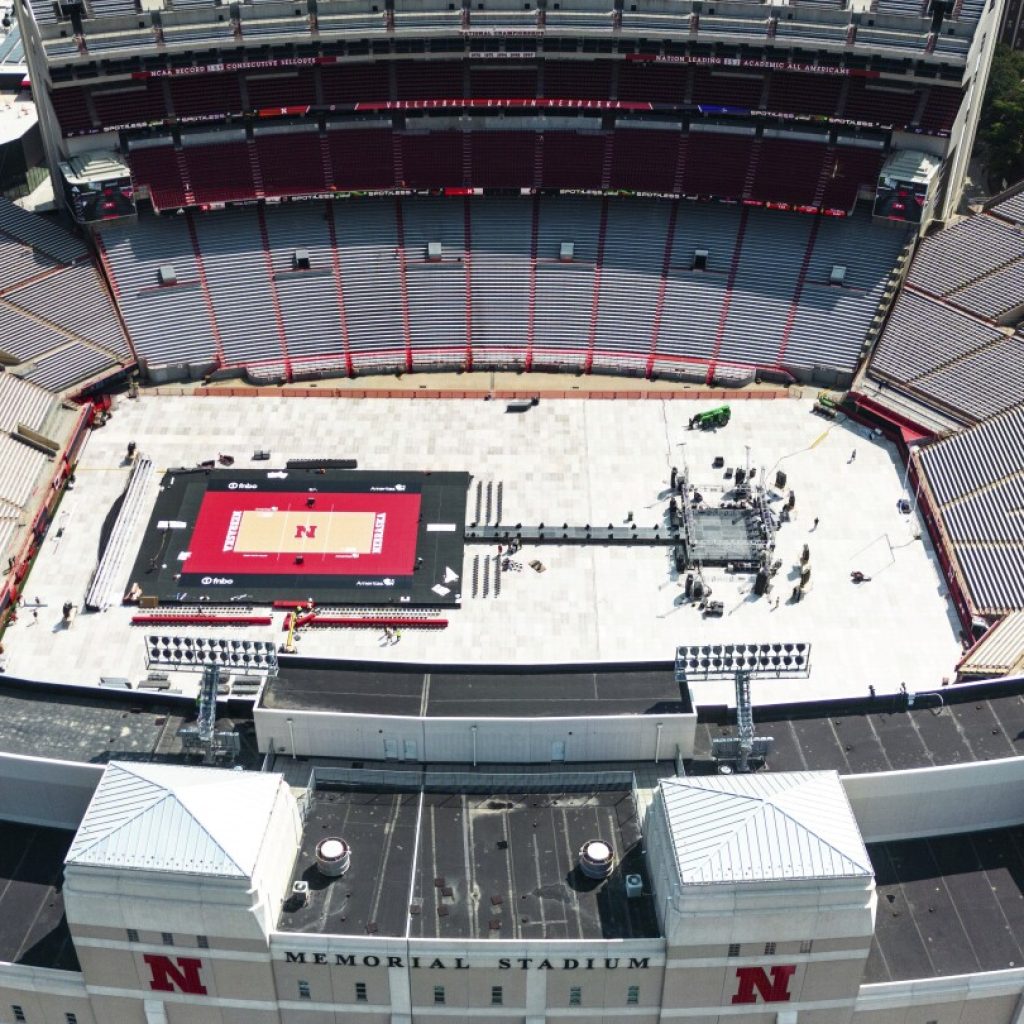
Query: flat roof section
[48,721]
[881,735]
[490,690]
[948,905]
[33,929]
[486,865]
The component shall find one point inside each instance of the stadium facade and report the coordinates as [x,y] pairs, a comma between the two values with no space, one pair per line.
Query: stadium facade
[490,868]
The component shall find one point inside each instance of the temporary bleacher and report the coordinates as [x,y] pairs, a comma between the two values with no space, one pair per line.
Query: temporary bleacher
[101,594]
[561,282]
[977,481]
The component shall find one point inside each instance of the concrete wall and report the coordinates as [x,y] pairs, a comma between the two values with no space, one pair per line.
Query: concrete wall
[937,801]
[39,791]
[492,740]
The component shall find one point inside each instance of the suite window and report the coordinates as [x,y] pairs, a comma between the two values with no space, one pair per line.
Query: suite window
[439,995]
[19,1013]
[202,942]
[497,995]
[806,946]
[70,1018]
[167,938]
[769,949]
[304,990]
[633,995]
[133,935]
[575,996]
[360,991]
[734,949]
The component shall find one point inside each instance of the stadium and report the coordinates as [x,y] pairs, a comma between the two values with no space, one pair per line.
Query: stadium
[509,512]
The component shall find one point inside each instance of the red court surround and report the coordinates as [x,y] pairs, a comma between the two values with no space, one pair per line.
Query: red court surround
[217,519]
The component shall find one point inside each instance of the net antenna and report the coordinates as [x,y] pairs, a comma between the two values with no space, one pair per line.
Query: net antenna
[742,663]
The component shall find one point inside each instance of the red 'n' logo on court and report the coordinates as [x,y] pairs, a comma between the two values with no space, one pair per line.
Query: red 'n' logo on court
[182,974]
[773,990]
[305,531]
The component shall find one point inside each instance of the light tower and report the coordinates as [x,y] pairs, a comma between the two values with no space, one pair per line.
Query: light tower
[742,662]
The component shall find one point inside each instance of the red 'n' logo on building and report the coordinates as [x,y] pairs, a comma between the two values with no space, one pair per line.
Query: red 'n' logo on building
[305,531]
[771,990]
[180,974]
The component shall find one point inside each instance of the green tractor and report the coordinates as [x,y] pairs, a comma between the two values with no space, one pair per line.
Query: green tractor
[712,419]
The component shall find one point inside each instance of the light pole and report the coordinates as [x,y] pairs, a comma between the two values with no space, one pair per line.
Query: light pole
[741,663]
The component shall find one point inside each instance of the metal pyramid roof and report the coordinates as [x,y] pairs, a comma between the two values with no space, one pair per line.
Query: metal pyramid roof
[763,827]
[153,817]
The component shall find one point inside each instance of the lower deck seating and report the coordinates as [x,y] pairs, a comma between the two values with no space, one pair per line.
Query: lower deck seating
[559,282]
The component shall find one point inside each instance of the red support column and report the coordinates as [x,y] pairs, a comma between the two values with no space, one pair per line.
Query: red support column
[218,341]
[403,284]
[336,269]
[659,305]
[794,306]
[727,298]
[274,298]
[598,263]
[467,263]
[531,313]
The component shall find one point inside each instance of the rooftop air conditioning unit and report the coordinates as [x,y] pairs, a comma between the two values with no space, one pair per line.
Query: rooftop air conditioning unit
[300,893]
[634,886]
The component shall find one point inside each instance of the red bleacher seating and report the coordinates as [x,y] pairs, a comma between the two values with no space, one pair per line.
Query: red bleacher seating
[853,167]
[429,80]
[792,93]
[941,109]
[432,161]
[362,158]
[498,83]
[868,102]
[721,89]
[654,83]
[290,163]
[131,104]
[206,94]
[288,89]
[220,172]
[157,168]
[503,159]
[69,105]
[573,159]
[788,171]
[644,161]
[716,165]
[582,80]
[350,84]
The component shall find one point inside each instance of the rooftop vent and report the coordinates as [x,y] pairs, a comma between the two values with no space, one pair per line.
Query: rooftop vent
[596,859]
[300,893]
[634,886]
[332,857]
[433,252]
[838,275]
[567,252]
[700,259]
[300,259]
[167,275]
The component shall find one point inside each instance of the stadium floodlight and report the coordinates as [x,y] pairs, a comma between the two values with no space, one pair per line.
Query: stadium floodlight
[742,662]
[195,654]
[722,661]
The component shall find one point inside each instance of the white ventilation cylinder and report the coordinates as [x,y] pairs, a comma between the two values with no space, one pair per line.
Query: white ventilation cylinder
[332,857]
[596,859]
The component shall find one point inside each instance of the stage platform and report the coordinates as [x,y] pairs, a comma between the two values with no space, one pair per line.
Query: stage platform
[335,536]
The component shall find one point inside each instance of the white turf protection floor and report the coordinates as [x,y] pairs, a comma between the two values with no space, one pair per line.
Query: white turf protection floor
[562,461]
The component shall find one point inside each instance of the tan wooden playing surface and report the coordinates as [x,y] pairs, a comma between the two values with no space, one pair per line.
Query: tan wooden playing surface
[263,530]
